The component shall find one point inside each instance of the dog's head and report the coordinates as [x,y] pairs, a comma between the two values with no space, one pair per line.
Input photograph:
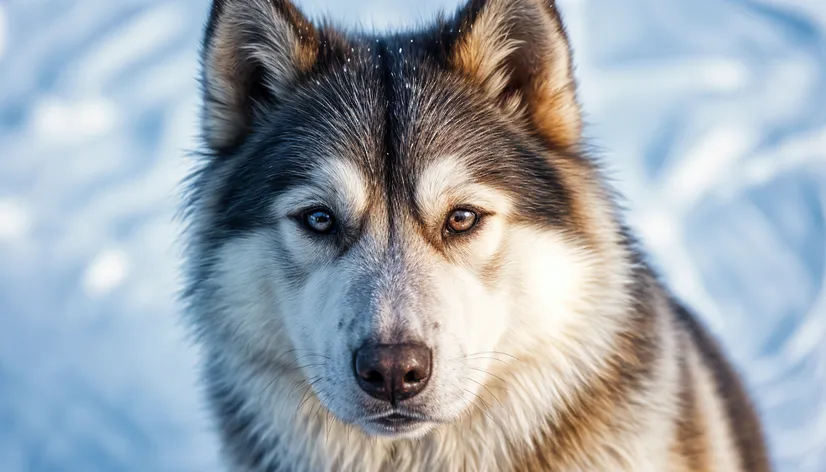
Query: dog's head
[389,219]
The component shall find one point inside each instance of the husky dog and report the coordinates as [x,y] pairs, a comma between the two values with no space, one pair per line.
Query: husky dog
[401,258]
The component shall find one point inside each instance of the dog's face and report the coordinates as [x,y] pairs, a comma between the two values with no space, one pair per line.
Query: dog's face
[387,219]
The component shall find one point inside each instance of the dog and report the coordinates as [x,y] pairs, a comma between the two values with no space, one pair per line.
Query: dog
[401,257]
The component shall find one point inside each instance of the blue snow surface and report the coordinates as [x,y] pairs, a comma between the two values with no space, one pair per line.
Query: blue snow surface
[710,114]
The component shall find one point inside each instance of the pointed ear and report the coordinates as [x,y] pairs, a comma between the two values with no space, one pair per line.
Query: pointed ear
[254,51]
[518,52]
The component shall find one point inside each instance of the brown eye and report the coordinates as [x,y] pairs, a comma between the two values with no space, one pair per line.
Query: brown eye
[320,221]
[461,220]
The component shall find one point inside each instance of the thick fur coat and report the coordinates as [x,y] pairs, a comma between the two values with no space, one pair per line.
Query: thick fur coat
[365,194]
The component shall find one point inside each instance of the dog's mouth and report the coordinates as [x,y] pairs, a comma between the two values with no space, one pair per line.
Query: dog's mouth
[397,423]
[396,419]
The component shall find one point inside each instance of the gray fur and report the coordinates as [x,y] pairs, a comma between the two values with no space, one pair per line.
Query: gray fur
[310,106]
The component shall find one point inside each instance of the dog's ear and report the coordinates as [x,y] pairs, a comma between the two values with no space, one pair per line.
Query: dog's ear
[254,51]
[518,52]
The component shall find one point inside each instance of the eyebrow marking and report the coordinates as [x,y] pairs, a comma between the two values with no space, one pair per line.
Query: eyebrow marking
[447,183]
[336,182]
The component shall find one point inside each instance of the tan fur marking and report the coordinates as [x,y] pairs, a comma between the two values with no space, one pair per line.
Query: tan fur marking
[728,401]
[690,446]
[590,217]
[251,34]
[529,76]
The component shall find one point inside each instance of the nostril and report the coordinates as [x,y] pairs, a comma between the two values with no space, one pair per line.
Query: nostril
[415,376]
[373,377]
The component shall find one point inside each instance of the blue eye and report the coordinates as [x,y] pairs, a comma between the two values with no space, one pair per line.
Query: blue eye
[320,221]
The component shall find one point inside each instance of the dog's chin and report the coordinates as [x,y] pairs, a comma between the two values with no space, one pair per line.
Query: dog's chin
[396,427]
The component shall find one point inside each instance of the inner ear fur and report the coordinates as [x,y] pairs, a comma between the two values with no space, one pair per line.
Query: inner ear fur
[253,51]
[517,51]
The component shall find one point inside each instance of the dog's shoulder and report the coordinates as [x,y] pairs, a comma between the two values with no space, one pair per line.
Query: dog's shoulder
[729,415]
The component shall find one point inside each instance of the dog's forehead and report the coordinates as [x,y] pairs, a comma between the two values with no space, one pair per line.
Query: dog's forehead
[409,128]
[394,118]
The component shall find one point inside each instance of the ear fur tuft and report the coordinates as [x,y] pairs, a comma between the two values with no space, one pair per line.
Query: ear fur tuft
[253,50]
[518,52]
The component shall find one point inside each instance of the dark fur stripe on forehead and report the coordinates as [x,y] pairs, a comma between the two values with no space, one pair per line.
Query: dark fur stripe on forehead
[390,127]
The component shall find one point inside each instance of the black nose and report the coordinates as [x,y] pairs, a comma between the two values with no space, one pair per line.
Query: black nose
[392,372]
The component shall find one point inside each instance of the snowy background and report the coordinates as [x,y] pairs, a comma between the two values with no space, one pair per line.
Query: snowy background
[711,114]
